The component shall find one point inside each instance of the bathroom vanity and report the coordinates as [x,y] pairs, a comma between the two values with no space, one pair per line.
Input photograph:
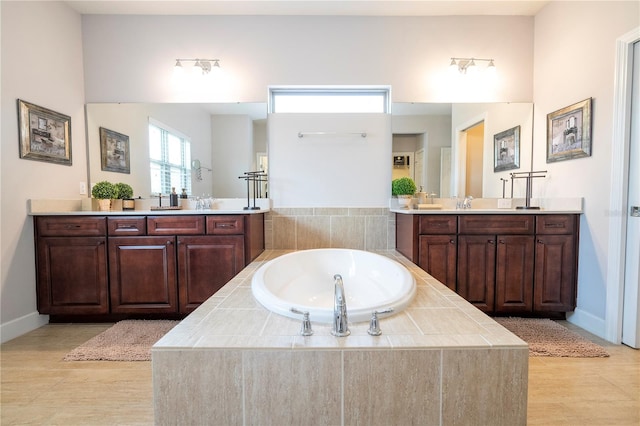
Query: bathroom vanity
[98,265]
[520,262]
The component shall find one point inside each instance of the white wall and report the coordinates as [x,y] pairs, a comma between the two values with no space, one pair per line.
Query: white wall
[232,153]
[574,60]
[130,58]
[341,170]
[41,64]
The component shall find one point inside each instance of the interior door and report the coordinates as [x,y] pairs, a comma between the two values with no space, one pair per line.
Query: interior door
[631,313]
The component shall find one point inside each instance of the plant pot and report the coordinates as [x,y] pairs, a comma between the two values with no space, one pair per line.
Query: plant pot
[104,205]
[128,204]
[405,201]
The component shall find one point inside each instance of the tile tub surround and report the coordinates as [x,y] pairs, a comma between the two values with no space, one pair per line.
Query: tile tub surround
[301,228]
[441,361]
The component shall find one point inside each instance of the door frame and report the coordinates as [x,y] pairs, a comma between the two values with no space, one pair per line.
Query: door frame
[619,185]
[459,154]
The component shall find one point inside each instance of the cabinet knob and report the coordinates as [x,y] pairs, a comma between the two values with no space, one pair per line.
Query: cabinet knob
[540,242]
[501,241]
[452,241]
[491,242]
[169,242]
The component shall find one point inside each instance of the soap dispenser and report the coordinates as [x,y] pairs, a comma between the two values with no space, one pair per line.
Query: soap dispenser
[173,198]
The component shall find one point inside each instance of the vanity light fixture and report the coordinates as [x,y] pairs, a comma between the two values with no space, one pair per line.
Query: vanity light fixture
[202,66]
[469,66]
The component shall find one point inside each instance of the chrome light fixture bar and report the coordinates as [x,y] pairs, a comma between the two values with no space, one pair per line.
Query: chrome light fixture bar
[205,65]
[464,65]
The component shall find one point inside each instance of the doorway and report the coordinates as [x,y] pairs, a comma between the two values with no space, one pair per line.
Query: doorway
[622,316]
[470,157]
[631,296]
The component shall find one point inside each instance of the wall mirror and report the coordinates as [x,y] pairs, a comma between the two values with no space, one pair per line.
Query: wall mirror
[462,149]
[449,149]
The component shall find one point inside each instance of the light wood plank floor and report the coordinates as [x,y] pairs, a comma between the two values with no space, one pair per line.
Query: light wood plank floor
[38,388]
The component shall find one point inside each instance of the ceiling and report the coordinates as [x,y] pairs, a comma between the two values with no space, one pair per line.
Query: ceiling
[309,7]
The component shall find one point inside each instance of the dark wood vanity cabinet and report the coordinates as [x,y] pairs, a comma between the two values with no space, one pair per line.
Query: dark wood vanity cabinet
[437,251]
[71,265]
[503,264]
[132,265]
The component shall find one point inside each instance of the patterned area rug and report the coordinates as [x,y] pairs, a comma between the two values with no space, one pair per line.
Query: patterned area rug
[548,338]
[128,340]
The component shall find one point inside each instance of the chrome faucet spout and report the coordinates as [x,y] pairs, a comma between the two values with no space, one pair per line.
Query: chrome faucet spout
[340,322]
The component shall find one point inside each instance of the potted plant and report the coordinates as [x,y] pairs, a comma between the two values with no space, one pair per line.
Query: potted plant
[103,191]
[403,188]
[124,192]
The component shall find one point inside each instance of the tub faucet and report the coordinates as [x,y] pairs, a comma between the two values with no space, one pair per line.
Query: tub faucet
[340,324]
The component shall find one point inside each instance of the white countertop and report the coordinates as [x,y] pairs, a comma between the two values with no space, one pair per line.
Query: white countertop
[490,206]
[83,207]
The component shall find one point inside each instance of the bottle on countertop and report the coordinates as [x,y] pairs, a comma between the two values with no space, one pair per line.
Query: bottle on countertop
[184,194]
[173,198]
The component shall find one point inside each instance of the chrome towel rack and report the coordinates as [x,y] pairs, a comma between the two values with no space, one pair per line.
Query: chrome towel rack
[303,134]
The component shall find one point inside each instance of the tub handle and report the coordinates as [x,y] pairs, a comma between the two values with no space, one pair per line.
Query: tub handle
[374,325]
[305,330]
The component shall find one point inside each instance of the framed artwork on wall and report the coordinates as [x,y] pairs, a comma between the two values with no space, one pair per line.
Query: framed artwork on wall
[44,135]
[114,151]
[506,150]
[569,132]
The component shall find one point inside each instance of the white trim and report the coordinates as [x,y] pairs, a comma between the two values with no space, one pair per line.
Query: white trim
[619,180]
[19,326]
[587,321]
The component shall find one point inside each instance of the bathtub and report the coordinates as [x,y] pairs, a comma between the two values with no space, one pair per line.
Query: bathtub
[304,280]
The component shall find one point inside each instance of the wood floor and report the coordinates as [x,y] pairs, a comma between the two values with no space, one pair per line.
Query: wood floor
[38,388]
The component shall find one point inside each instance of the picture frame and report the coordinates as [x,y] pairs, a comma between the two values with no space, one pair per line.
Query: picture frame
[506,150]
[43,134]
[569,132]
[114,151]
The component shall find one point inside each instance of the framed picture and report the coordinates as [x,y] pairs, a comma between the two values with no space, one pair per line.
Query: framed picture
[114,151]
[506,150]
[44,135]
[569,132]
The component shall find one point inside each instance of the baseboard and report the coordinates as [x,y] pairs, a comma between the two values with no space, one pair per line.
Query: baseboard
[588,322]
[19,326]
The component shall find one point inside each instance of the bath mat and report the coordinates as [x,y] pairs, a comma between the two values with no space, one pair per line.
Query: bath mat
[548,338]
[128,340]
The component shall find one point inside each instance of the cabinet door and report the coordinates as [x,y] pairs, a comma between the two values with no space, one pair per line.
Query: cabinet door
[555,273]
[514,273]
[437,256]
[143,275]
[477,270]
[72,275]
[205,264]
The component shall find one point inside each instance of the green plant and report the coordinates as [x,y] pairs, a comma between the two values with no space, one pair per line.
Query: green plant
[403,186]
[103,190]
[123,191]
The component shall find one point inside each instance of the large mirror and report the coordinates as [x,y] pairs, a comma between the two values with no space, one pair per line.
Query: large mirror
[448,149]
[462,149]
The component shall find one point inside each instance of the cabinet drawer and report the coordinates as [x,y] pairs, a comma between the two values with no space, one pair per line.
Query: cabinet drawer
[225,225]
[555,224]
[496,224]
[438,224]
[71,226]
[130,225]
[175,225]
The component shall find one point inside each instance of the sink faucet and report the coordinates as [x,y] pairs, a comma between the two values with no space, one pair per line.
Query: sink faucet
[340,324]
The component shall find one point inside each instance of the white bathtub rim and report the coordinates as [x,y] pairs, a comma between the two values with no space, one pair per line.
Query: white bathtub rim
[324,314]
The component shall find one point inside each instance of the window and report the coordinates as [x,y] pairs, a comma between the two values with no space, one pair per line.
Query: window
[329,100]
[170,159]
